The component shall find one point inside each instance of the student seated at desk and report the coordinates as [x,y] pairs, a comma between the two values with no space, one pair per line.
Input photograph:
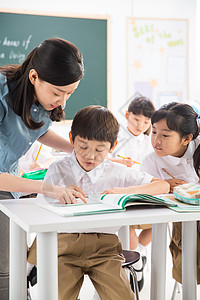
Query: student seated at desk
[96,252]
[176,159]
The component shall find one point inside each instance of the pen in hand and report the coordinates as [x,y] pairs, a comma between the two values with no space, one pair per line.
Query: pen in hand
[168,173]
[38,153]
[128,158]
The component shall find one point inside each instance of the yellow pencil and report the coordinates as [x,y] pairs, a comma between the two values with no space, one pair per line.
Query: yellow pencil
[128,158]
[168,173]
[38,153]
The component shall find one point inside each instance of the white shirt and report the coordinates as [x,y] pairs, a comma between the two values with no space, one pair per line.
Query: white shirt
[132,146]
[179,167]
[67,171]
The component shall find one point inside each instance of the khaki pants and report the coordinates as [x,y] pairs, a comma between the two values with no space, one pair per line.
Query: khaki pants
[96,254]
[176,251]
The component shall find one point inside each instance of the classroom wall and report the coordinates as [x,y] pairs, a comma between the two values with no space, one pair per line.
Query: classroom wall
[119,10]
[196,69]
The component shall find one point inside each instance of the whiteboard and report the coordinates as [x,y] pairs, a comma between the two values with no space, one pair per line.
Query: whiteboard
[157,60]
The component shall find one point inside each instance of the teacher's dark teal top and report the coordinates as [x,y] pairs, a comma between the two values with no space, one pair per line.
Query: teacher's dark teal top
[15,137]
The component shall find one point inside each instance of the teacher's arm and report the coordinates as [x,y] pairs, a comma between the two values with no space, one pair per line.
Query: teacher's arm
[11,183]
[54,140]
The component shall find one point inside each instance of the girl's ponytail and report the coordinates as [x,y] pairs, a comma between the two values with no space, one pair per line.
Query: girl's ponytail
[196,160]
[196,156]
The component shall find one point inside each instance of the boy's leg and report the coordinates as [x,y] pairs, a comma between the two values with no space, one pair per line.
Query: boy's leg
[105,269]
[70,280]
[110,281]
[70,274]
[71,262]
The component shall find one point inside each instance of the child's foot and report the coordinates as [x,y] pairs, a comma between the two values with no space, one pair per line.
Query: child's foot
[140,275]
[32,277]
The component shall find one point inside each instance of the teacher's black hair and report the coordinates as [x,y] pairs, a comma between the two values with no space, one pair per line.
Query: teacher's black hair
[57,61]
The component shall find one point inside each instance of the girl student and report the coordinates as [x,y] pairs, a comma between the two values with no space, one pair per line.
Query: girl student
[176,159]
[134,140]
[133,144]
[32,95]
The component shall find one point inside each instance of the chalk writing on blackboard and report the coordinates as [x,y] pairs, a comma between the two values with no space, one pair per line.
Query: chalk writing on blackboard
[25,31]
[18,49]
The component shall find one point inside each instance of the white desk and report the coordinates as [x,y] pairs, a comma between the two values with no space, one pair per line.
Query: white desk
[25,217]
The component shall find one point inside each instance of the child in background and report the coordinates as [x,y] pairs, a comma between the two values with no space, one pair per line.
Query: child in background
[134,143]
[27,162]
[45,158]
[175,139]
[96,252]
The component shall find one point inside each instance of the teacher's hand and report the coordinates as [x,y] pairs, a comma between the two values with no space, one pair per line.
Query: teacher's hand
[69,195]
[66,195]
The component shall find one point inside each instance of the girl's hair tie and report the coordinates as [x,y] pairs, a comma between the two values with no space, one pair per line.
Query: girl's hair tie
[198,116]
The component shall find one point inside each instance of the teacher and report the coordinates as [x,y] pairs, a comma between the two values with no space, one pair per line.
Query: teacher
[32,95]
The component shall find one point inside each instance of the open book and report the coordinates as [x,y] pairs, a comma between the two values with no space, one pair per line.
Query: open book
[98,204]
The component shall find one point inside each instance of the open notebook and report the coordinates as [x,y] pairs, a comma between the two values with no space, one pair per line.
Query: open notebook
[100,204]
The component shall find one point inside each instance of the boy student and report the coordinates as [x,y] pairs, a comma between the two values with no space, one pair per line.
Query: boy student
[95,252]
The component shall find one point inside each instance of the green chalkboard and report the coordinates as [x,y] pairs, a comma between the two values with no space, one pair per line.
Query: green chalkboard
[20,33]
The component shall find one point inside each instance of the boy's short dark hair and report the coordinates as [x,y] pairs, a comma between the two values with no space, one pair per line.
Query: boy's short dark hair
[95,123]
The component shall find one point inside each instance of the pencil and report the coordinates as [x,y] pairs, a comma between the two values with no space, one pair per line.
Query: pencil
[128,158]
[168,173]
[38,153]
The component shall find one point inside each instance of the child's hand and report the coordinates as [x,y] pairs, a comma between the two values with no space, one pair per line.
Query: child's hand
[128,162]
[35,165]
[174,182]
[66,195]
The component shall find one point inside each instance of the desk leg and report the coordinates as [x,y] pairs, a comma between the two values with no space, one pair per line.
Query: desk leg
[158,261]
[47,266]
[123,234]
[189,260]
[18,255]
